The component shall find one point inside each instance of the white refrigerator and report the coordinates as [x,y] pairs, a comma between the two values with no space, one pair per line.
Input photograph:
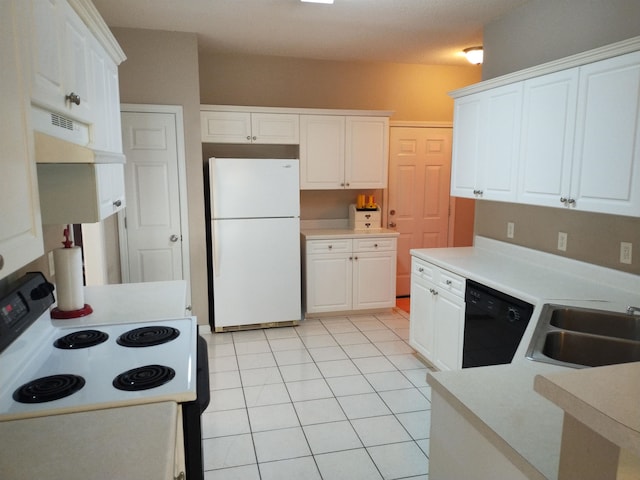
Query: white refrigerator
[255,241]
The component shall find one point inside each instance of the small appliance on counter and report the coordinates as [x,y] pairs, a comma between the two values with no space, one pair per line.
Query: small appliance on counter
[365,215]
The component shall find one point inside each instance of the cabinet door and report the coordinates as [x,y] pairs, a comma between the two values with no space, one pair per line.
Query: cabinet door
[275,128]
[225,127]
[322,142]
[497,167]
[449,330]
[547,138]
[422,318]
[367,152]
[374,280]
[110,179]
[329,282]
[47,84]
[21,231]
[606,161]
[467,123]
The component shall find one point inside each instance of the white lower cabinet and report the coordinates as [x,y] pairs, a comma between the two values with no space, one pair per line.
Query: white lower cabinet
[350,274]
[436,328]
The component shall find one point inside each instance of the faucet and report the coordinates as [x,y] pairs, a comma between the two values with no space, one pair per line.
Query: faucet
[631,310]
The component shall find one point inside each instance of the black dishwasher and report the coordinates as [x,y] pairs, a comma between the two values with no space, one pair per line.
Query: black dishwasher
[493,325]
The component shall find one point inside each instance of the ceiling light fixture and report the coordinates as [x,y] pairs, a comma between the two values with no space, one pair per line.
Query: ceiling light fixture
[329,2]
[474,55]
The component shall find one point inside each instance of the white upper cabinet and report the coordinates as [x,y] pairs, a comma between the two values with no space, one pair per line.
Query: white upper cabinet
[343,152]
[547,137]
[74,80]
[486,138]
[21,228]
[249,127]
[605,174]
[566,138]
[322,152]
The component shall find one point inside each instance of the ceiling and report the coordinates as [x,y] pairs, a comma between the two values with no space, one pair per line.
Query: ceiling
[401,31]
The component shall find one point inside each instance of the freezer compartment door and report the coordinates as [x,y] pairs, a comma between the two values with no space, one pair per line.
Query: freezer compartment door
[254,187]
[256,271]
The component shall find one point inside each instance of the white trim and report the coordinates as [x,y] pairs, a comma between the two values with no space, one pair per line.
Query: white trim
[301,111]
[176,110]
[418,124]
[96,24]
[590,56]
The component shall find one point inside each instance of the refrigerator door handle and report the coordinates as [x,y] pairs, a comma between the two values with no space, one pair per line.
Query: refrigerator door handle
[216,249]
[214,238]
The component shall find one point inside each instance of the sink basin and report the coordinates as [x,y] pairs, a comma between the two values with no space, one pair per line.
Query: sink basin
[582,337]
[598,322]
[589,350]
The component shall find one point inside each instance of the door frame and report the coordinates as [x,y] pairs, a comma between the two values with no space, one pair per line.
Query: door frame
[176,110]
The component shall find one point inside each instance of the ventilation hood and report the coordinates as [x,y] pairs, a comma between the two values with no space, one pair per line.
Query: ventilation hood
[62,140]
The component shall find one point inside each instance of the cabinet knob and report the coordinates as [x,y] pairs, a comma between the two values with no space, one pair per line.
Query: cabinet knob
[392,212]
[330,247]
[563,200]
[448,282]
[174,238]
[375,245]
[420,269]
[73,98]
[347,184]
[249,137]
[117,203]
[254,138]
[572,201]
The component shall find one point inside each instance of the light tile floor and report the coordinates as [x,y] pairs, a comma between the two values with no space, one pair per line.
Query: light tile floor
[333,398]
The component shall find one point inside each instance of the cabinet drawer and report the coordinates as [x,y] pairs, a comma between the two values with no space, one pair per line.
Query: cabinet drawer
[340,245]
[451,282]
[424,270]
[375,244]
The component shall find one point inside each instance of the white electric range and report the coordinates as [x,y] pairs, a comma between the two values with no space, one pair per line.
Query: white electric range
[48,368]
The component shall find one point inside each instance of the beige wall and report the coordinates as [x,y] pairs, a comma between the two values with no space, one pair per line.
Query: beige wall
[542,30]
[538,32]
[162,68]
[414,92]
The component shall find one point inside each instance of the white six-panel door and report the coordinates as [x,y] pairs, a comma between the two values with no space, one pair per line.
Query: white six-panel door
[155,239]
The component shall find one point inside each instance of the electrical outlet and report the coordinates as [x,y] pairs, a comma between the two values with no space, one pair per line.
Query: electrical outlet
[562,241]
[52,268]
[625,252]
[510,229]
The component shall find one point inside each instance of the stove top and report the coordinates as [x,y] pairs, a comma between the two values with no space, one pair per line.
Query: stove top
[50,369]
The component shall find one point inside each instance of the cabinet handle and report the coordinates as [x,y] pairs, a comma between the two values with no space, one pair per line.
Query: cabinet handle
[433,292]
[73,98]
[330,247]
[117,203]
[342,184]
[572,201]
[248,137]
[174,238]
[448,282]
[254,138]
[1,262]
[420,269]
[348,184]
[392,225]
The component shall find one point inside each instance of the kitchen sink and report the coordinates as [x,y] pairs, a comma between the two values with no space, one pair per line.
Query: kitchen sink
[581,337]
[597,322]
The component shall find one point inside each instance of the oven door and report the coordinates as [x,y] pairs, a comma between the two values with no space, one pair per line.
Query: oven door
[191,413]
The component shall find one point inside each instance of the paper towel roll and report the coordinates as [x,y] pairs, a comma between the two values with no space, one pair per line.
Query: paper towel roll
[68,265]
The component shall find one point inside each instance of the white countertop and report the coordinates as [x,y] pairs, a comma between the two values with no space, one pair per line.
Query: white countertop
[132,302]
[131,443]
[331,233]
[500,401]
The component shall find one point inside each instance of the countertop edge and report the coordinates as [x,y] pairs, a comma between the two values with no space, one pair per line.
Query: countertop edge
[519,461]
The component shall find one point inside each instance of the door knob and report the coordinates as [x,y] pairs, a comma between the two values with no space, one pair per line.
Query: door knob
[174,238]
